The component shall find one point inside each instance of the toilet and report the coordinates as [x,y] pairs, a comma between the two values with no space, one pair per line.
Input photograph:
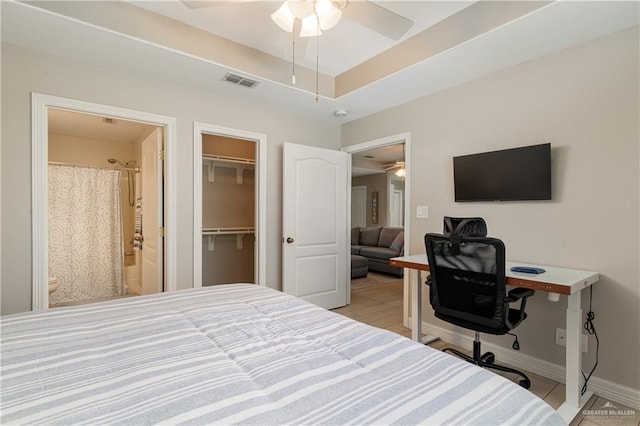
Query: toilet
[54,283]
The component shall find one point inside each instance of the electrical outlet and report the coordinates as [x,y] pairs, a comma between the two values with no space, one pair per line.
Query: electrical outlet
[561,339]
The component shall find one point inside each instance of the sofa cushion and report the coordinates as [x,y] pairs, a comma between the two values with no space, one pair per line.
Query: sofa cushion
[381,253]
[369,235]
[387,235]
[355,236]
[398,242]
[356,249]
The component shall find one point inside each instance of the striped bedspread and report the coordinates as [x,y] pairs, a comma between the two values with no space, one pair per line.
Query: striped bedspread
[238,354]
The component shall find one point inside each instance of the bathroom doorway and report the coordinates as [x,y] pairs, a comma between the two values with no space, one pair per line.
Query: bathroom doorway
[100,245]
[158,171]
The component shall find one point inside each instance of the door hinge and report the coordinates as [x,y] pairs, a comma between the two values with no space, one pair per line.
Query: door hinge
[161,231]
[161,155]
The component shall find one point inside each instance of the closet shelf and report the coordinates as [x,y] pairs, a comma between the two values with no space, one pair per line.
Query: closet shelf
[239,232]
[240,164]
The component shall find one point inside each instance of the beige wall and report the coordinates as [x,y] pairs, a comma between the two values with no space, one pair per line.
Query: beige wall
[25,71]
[377,182]
[585,102]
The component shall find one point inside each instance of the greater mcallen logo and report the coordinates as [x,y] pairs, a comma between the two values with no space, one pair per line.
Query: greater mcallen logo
[611,411]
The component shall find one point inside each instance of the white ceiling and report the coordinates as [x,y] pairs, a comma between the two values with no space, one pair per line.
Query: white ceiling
[87,32]
[341,48]
[94,127]
[377,160]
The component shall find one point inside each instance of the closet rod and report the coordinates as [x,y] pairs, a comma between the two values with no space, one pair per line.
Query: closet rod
[56,163]
[227,159]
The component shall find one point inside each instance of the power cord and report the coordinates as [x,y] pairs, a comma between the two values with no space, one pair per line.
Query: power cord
[591,329]
[516,344]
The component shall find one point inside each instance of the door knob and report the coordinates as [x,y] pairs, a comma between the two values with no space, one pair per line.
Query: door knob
[289,240]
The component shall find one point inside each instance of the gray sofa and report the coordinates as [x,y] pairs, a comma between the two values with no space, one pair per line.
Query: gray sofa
[378,244]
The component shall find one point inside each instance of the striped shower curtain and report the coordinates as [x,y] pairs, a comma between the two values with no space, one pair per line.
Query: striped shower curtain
[85,233]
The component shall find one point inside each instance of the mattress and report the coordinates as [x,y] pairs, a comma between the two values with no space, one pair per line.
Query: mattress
[238,354]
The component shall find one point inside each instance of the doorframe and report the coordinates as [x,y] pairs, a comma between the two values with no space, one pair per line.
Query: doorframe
[260,255]
[398,138]
[40,104]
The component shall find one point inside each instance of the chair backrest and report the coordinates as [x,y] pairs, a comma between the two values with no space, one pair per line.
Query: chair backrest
[469,226]
[467,279]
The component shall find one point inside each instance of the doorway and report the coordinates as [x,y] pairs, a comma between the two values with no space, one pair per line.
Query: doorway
[229,225]
[102,244]
[387,162]
[159,128]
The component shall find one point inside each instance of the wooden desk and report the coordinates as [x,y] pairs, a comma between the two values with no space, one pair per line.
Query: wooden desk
[554,281]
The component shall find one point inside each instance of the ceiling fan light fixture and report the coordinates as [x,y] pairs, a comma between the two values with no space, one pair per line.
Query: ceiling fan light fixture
[283,18]
[324,14]
[309,27]
[401,172]
[328,14]
[301,9]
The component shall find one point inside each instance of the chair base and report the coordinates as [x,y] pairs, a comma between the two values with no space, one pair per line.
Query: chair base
[487,360]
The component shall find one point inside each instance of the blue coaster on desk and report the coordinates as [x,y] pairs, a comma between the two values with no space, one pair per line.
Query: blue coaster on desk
[527,269]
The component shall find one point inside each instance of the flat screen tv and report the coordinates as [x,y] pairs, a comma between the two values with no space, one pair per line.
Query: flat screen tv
[514,174]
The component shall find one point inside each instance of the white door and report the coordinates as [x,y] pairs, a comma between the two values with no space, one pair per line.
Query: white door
[358,206]
[314,212]
[152,217]
[396,205]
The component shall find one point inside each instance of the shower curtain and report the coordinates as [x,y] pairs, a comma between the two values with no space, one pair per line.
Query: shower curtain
[85,233]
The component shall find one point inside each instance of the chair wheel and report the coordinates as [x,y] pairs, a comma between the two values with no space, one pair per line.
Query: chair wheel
[488,358]
[525,383]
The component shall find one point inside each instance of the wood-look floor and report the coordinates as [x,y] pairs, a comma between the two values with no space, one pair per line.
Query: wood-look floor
[377,300]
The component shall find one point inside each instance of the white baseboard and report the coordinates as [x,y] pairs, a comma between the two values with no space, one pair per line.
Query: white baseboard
[603,388]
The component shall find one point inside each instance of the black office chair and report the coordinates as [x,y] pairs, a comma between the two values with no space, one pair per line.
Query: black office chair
[469,226]
[467,288]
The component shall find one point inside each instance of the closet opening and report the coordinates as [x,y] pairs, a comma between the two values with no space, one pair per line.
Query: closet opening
[227,207]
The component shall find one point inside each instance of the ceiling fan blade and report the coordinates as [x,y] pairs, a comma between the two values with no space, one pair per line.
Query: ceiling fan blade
[200,4]
[396,165]
[377,18]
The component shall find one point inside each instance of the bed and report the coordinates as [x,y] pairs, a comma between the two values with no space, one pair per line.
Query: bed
[238,354]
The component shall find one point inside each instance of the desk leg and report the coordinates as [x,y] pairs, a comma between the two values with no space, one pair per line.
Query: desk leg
[416,313]
[416,309]
[573,363]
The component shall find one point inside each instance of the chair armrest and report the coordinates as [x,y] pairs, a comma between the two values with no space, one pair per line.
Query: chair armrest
[514,295]
[519,293]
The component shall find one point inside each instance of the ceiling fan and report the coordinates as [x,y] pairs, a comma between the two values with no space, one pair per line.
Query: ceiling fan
[394,165]
[398,165]
[363,12]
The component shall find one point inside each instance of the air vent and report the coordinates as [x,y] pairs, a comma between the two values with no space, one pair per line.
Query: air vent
[240,80]
[107,120]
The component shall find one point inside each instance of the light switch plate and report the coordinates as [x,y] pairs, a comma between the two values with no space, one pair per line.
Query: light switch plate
[422,212]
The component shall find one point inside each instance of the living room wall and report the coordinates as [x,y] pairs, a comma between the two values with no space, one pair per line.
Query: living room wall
[584,101]
[377,182]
